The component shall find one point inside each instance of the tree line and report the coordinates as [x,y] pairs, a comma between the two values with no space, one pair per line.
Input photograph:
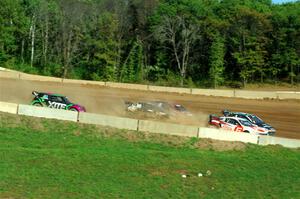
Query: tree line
[168,42]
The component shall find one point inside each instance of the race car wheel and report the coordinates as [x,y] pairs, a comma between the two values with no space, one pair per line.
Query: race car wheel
[73,109]
[246,132]
[37,104]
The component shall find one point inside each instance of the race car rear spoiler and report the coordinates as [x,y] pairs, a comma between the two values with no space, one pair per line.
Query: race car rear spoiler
[35,93]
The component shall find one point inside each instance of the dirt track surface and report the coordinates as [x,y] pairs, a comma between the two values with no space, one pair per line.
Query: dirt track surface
[283,115]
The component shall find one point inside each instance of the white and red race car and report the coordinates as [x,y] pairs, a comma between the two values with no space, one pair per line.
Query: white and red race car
[237,124]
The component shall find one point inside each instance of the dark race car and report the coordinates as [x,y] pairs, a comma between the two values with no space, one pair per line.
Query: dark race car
[159,108]
[155,107]
[251,118]
[55,101]
[181,109]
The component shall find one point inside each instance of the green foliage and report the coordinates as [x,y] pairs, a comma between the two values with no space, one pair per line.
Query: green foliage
[190,83]
[216,71]
[26,68]
[291,60]
[12,29]
[132,70]
[169,79]
[100,51]
[153,73]
[204,42]
[252,61]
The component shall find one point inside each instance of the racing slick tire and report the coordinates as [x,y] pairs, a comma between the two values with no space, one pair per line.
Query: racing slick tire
[246,132]
[38,104]
[73,109]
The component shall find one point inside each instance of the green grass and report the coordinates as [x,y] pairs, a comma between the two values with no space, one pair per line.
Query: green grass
[53,159]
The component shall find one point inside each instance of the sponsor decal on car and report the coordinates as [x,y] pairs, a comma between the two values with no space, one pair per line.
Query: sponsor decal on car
[57,105]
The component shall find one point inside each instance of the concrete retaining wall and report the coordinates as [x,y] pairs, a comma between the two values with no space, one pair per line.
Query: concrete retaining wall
[218,134]
[211,92]
[9,70]
[47,113]
[39,78]
[290,143]
[288,95]
[8,107]
[255,94]
[167,128]
[6,74]
[106,120]
[76,81]
[170,89]
[127,86]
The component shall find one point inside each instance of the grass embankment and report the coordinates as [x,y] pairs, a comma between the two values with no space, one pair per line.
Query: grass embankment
[52,159]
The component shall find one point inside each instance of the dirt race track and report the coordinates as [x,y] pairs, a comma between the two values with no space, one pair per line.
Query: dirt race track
[284,115]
